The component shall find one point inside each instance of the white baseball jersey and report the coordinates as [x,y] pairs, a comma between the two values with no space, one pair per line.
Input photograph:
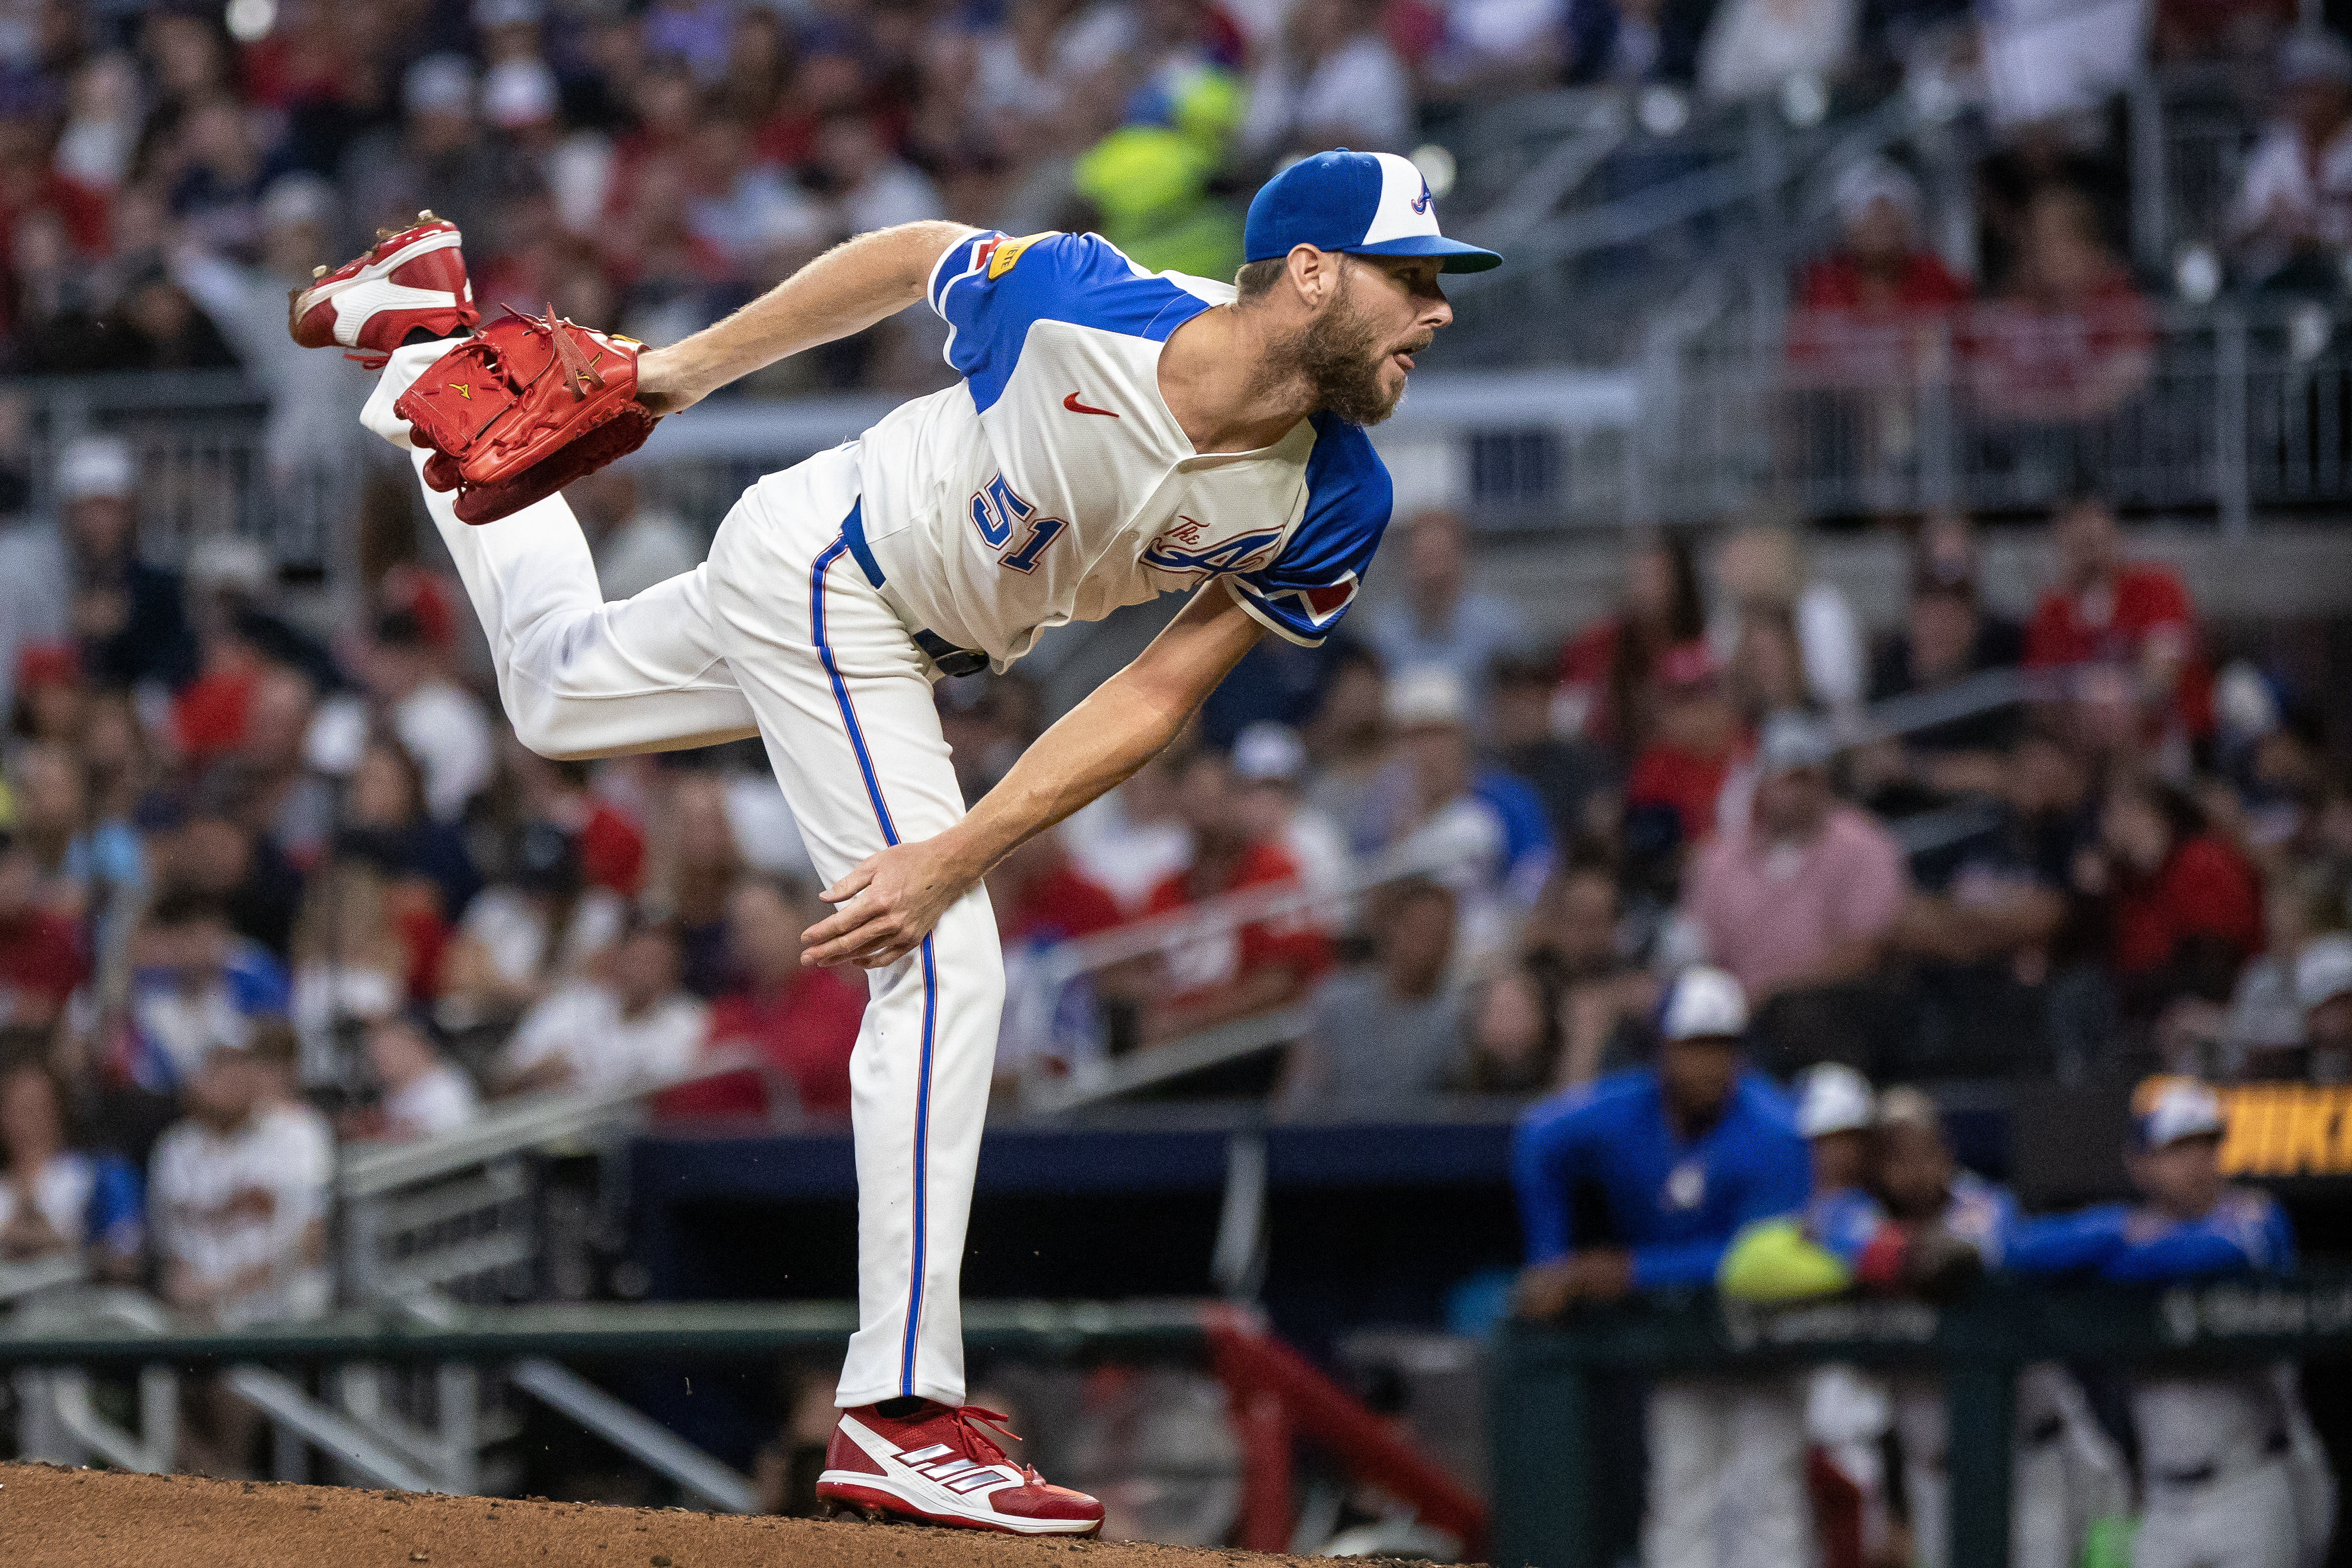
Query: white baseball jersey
[225,1203]
[1053,485]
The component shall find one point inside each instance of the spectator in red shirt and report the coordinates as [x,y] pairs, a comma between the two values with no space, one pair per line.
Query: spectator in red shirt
[802,1022]
[40,958]
[2071,338]
[611,851]
[1699,736]
[1872,312]
[1228,974]
[1041,895]
[1609,673]
[2184,908]
[2135,619]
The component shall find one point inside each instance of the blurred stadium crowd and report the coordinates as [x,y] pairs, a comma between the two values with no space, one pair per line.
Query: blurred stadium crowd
[650,167]
[259,888]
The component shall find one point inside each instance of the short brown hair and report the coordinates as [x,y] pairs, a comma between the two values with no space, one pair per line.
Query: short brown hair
[1258,278]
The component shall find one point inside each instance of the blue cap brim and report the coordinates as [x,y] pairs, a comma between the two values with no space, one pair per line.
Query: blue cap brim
[1459,257]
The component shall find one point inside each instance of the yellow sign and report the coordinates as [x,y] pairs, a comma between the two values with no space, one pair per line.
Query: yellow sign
[1000,260]
[2287,1130]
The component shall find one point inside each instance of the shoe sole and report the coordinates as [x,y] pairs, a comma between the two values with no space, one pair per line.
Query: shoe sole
[380,272]
[873,1497]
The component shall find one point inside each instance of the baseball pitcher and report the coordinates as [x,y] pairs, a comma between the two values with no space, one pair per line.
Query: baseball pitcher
[1114,434]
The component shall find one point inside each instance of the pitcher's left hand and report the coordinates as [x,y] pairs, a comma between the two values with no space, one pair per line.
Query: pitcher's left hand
[886,904]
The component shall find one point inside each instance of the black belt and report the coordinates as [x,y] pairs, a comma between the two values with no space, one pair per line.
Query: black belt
[951,659]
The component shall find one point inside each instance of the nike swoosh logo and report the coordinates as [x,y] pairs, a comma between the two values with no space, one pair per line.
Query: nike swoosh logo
[1074,406]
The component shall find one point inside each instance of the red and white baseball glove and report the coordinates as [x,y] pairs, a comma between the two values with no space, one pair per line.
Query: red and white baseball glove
[521,409]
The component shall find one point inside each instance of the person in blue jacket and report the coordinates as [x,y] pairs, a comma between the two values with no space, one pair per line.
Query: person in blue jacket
[2219,1451]
[1681,1155]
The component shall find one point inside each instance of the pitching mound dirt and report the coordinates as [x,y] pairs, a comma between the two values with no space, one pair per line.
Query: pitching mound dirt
[52,1518]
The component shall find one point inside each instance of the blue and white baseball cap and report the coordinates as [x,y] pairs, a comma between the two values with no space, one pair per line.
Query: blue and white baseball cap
[1704,1003]
[1366,204]
[1834,1098]
[2166,1109]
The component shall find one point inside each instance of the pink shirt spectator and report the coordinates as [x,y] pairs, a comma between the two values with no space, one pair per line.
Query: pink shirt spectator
[1773,913]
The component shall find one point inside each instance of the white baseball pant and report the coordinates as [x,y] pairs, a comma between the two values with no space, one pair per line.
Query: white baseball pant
[2060,1482]
[1726,1475]
[2245,1520]
[779,633]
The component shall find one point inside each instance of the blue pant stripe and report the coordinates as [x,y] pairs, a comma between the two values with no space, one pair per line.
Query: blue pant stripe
[826,557]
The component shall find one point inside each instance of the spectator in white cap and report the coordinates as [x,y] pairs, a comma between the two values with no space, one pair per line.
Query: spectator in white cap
[1680,1156]
[1835,1109]
[1862,307]
[83,580]
[2292,221]
[1481,831]
[1269,766]
[1847,1410]
[519,98]
[1803,892]
[2323,991]
[2223,1455]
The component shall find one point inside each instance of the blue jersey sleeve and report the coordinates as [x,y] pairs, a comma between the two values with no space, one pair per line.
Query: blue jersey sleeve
[2278,1236]
[2183,1252]
[2246,1234]
[1303,592]
[117,1219]
[258,982]
[1545,1151]
[2066,1243]
[1845,1222]
[1527,830]
[992,288]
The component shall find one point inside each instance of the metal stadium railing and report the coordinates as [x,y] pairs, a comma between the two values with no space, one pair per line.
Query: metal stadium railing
[2227,413]
[201,441]
[2224,413]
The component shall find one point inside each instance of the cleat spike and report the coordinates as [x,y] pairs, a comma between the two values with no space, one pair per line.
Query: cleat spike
[425,215]
[318,271]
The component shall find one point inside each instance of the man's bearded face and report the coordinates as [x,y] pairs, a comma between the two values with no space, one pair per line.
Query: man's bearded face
[1345,354]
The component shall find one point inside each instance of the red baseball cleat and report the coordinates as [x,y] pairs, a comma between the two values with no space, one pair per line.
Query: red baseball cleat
[416,278]
[939,1466]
